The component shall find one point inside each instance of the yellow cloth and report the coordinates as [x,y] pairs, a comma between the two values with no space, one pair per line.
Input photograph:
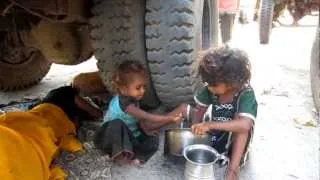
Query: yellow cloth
[29,141]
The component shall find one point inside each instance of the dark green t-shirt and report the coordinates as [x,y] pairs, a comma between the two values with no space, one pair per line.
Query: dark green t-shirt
[243,104]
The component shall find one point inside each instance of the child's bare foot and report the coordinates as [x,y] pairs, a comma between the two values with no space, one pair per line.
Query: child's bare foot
[123,158]
[232,174]
[120,160]
[135,162]
[126,158]
[128,162]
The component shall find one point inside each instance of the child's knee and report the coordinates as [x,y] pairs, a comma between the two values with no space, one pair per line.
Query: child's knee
[107,130]
[116,124]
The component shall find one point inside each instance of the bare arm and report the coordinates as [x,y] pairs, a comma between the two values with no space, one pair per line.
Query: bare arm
[238,125]
[152,121]
[180,109]
[147,126]
[141,115]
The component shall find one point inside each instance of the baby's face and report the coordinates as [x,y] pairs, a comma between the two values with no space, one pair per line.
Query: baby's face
[136,88]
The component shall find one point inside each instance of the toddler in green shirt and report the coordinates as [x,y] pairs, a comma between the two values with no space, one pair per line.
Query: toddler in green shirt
[230,102]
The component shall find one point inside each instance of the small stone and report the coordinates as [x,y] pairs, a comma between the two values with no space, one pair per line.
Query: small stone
[305,122]
[84,173]
[293,176]
[70,157]
[266,92]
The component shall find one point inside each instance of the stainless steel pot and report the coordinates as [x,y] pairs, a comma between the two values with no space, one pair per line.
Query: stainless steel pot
[177,139]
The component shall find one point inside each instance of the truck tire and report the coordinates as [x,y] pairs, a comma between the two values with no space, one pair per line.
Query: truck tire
[265,23]
[315,71]
[22,73]
[176,31]
[117,35]
[226,26]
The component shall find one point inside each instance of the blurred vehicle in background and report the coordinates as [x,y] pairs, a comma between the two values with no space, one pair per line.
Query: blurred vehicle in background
[315,69]
[269,11]
[227,13]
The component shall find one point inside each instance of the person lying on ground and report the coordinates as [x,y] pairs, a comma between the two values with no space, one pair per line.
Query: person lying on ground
[226,74]
[126,133]
[30,140]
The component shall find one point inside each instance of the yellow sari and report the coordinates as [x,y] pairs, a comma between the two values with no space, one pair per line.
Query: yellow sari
[30,140]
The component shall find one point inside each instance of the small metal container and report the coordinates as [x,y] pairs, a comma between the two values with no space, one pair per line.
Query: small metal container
[177,139]
[199,162]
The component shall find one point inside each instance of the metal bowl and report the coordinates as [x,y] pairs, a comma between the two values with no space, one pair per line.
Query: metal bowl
[177,139]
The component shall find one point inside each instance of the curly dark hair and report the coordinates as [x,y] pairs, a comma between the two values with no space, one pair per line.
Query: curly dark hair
[123,74]
[225,65]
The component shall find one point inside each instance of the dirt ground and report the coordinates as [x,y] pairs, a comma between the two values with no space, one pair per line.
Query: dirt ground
[284,147]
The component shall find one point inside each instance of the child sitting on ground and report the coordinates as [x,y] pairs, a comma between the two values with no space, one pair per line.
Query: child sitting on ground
[233,107]
[125,132]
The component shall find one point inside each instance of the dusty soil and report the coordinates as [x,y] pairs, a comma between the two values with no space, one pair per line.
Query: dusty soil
[283,147]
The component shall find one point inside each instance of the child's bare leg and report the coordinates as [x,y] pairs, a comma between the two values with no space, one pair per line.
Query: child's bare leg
[238,146]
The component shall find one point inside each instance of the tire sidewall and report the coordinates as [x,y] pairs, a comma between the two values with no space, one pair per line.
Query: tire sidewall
[25,74]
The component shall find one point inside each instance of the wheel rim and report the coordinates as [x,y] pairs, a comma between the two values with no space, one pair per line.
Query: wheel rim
[18,55]
[13,50]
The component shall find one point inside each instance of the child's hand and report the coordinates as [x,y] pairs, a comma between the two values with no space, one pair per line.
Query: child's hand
[200,129]
[182,108]
[176,118]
